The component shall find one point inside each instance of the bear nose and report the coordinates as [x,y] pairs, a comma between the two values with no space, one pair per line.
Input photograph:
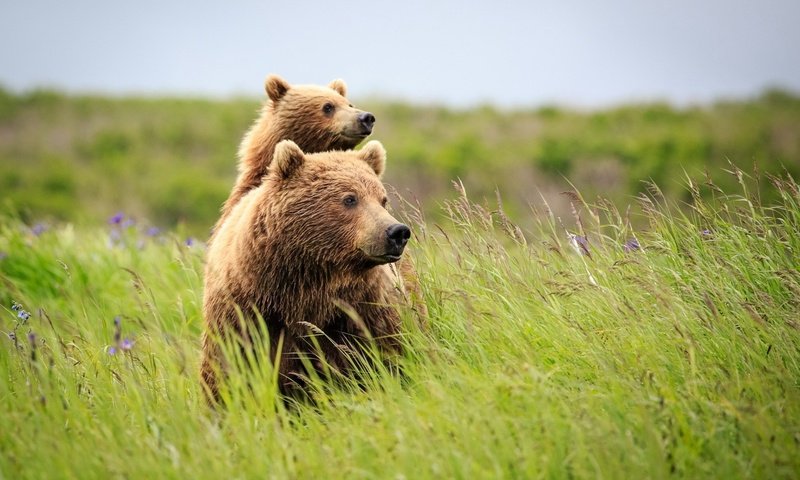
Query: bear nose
[397,235]
[366,120]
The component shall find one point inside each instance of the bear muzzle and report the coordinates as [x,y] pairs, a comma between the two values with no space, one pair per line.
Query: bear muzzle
[366,120]
[359,126]
[390,249]
[397,237]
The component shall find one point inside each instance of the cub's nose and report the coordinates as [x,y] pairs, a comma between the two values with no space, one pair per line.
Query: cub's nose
[367,120]
[397,236]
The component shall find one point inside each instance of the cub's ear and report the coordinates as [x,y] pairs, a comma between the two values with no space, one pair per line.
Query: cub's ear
[375,155]
[276,87]
[288,159]
[339,86]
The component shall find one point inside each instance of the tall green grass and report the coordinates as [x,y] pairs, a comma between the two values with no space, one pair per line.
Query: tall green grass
[677,359]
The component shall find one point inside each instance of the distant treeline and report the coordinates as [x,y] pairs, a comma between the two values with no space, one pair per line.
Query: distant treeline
[169,160]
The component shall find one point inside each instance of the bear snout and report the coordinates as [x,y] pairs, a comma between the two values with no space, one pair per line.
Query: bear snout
[366,120]
[397,236]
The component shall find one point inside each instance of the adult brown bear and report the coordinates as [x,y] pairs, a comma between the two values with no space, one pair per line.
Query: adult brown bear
[313,251]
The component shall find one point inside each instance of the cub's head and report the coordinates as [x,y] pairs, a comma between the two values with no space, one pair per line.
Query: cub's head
[317,118]
[331,207]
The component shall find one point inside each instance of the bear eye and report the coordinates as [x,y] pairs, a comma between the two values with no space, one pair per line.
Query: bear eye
[384,201]
[350,201]
[327,108]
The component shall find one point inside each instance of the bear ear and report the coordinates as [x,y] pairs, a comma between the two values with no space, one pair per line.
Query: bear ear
[288,158]
[375,155]
[339,86]
[276,87]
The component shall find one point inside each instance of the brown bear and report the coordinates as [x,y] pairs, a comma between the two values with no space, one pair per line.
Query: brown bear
[316,118]
[312,251]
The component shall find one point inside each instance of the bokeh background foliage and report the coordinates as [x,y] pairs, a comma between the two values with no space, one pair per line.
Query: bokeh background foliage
[173,160]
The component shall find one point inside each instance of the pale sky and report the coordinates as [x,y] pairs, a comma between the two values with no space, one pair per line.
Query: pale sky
[583,53]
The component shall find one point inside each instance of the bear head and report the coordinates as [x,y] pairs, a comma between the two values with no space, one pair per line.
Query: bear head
[329,209]
[318,118]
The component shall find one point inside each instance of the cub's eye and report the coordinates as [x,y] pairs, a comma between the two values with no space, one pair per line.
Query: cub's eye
[327,108]
[350,105]
[384,201]
[350,201]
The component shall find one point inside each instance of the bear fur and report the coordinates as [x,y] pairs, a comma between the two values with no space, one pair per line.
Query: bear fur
[316,118]
[308,251]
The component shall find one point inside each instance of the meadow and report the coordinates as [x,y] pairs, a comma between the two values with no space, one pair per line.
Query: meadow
[671,351]
[667,346]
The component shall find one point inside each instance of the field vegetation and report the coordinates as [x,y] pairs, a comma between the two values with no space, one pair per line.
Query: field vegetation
[625,329]
[170,161]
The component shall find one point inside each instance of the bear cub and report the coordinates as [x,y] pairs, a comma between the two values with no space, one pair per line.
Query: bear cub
[316,118]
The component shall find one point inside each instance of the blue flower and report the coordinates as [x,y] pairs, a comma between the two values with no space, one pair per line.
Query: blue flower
[631,245]
[116,219]
[579,244]
[126,344]
[21,313]
[153,231]
[120,344]
[189,242]
[39,229]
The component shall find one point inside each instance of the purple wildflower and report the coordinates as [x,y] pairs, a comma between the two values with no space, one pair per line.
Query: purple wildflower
[128,223]
[119,344]
[579,244]
[21,313]
[153,231]
[39,229]
[706,233]
[189,242]
[631,245]
[116,219]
